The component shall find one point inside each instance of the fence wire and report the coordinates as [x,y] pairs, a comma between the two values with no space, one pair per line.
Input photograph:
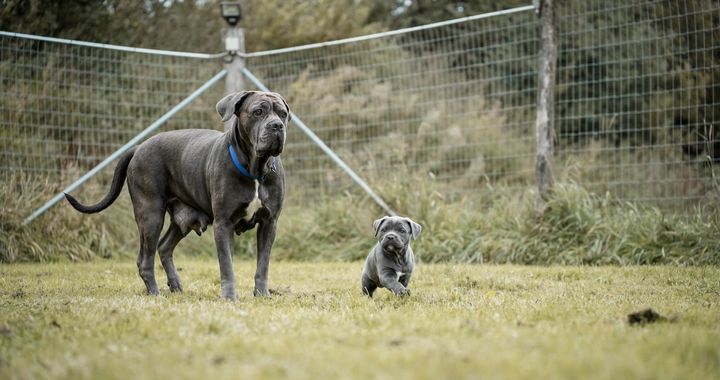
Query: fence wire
[637,98]
[66,107]
[453,106]
[448,107]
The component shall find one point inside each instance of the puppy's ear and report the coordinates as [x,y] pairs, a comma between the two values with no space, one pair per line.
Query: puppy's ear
[414,228]
[378,223]
[231,104]
[287,107]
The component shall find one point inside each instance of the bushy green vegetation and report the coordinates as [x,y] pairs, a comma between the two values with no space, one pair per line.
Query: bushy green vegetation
[91,321]
[576,227]
[492,225]
[60,234]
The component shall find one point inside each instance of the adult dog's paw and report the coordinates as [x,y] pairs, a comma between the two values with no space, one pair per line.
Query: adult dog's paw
[261,293]
[175,285]
[230,297]
[228,293]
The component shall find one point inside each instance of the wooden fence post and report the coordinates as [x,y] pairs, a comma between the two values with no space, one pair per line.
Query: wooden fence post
[544,116]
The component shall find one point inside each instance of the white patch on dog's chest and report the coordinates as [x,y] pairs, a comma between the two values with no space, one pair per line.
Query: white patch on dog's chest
[399,274]
[254,205]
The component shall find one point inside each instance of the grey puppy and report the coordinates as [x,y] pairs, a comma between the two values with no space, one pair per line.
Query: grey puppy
[233,180]
[391,262]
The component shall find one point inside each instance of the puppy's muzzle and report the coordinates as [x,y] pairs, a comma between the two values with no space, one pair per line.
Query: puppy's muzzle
[392,242]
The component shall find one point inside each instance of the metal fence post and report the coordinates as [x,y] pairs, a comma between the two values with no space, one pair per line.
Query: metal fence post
[544,116]
[234,40]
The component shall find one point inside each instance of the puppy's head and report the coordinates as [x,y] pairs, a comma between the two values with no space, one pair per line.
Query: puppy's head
[394,233]
[262,119]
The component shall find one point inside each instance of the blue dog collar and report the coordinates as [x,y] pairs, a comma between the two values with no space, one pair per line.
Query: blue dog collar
[242,169]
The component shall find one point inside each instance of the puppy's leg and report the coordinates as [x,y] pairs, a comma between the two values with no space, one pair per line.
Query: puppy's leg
[167,244]
[368,286]
[389,280]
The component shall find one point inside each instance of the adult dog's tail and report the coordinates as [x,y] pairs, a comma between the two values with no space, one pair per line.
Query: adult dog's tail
[115,188]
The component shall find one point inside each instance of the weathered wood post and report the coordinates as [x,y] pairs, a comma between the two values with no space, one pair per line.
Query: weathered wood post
[234,40]
[544,116]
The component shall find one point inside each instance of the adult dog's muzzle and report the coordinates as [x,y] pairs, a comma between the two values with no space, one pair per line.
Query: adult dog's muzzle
[271,140]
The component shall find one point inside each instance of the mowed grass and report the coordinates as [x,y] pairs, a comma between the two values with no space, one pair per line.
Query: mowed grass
[92,321]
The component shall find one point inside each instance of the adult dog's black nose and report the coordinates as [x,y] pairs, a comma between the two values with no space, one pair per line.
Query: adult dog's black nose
[275,126]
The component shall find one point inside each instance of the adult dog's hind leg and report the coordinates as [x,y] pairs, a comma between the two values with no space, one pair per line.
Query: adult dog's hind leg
[149,216]
[149,236]
[167,244]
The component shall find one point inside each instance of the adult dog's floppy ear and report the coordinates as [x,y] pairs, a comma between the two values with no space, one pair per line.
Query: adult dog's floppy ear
[231,104]
[414,228]
[378,223]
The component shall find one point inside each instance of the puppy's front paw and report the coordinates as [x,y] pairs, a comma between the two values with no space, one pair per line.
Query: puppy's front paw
[403,293]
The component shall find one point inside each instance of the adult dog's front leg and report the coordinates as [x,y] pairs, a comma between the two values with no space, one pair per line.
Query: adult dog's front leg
[265,240]
[224,244]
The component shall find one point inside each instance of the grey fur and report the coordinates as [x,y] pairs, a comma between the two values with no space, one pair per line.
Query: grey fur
[189,174]
[187,218]
[391,262]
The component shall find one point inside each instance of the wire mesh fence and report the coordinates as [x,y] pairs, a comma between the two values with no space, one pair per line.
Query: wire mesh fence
[67,107]
[451,106]
[638,97]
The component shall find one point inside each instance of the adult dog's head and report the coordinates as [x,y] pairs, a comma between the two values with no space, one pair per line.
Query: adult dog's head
[261,120]
[394,233]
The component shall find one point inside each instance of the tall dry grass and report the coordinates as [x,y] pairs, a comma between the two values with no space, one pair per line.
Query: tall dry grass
[490,225]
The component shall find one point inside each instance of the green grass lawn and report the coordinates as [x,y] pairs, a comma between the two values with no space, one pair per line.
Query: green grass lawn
[92,321]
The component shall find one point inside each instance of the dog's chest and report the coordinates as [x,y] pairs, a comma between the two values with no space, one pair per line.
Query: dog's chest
[254,205]
[405,264]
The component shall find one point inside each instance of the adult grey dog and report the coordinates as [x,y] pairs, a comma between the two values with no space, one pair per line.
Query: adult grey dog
[391,262]
[233,180]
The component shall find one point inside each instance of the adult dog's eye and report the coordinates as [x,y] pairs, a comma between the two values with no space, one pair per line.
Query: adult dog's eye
[282,114]
[258,112]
